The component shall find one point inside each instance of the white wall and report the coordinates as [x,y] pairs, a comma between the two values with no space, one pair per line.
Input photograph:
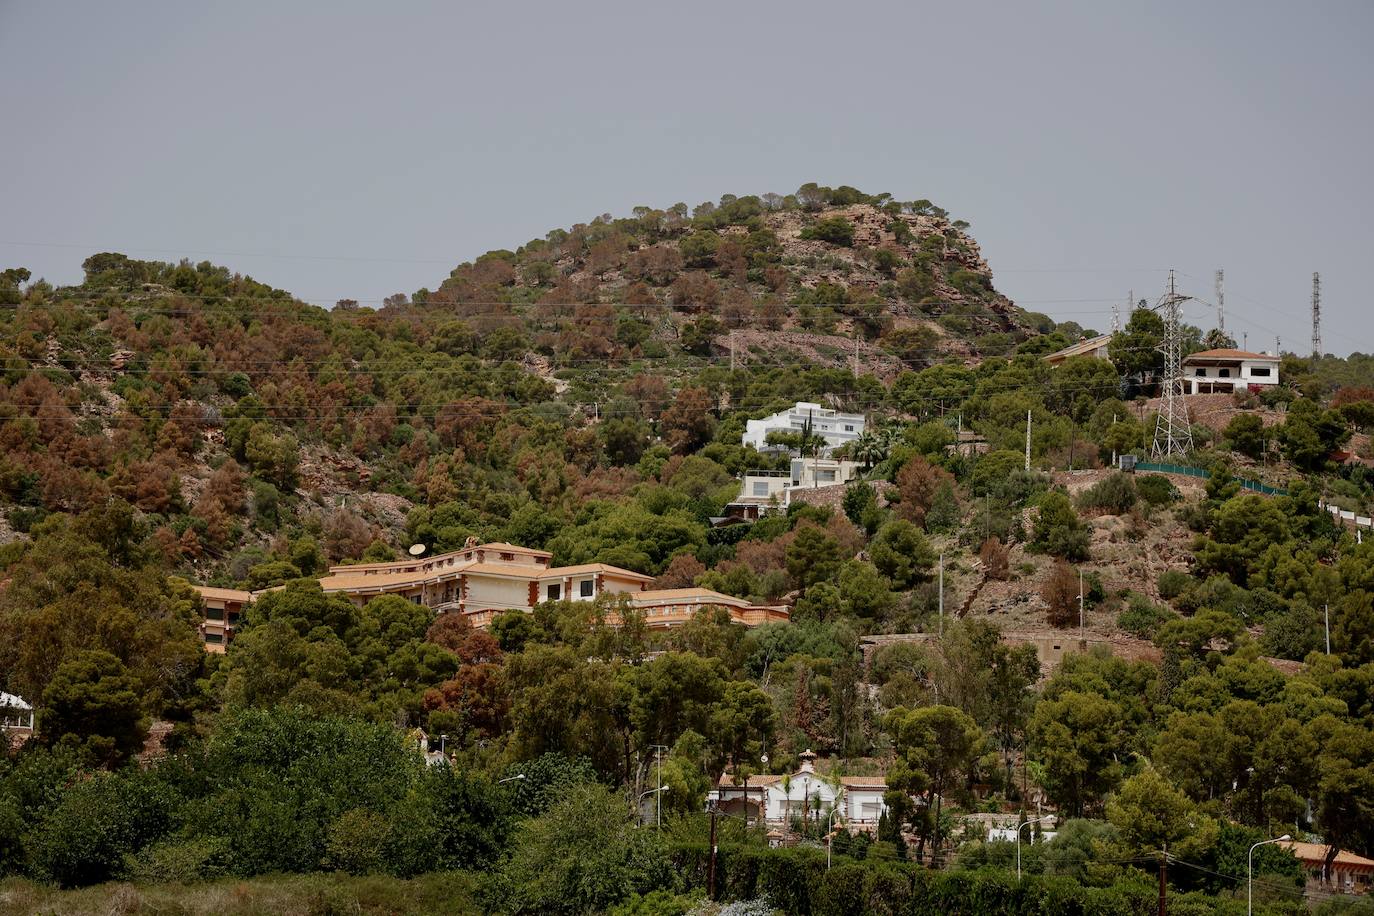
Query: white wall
[491,593]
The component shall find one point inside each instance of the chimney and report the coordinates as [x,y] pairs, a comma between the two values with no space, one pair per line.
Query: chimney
[808,761]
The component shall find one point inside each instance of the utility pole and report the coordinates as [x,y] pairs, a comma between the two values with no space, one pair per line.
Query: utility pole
[1163,885]
[658,786]
[1316,314]
[711,863]
[1028,424]
[1080,607]
[1221,297]
[942,596]
[1173,432]
[1116,317]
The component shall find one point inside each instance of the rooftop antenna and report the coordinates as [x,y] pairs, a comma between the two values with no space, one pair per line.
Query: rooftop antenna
[1221,297]
[1316,315]
[1116,317]
[1173,432]
[416,550]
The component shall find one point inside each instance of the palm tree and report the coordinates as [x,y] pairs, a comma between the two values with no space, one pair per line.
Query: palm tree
[888,437]
[787,803]
[868,448]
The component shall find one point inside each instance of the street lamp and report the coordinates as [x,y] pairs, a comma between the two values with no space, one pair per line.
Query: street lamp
[1018,841]
[830,837]
[509,778]
[443,739]
[1250,871]
[658,801]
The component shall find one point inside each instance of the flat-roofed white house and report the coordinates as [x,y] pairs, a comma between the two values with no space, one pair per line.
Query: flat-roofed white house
[854,801]
[762,492]
[1226,370]
[834,427]
[809,473]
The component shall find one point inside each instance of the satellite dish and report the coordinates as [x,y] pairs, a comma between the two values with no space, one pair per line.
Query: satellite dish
[416,549]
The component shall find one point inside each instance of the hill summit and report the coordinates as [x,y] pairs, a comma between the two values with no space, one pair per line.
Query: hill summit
[832,274]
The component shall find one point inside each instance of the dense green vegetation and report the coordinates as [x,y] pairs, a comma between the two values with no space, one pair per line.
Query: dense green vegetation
[163,423]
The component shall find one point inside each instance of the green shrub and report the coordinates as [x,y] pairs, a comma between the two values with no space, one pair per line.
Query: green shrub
[1142,617]
[836,230]
[181,861]
[1173,583]
[1115,494]
[1156,489]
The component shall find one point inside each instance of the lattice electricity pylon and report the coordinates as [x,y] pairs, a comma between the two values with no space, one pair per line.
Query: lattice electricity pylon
[1173,432]
[1316,315]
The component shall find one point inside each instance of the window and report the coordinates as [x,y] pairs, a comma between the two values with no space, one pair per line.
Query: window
[1223,373]
[1259,371]
[554,592]
[586,587]
[214,637]
[825,476]
[508,557]
[1200,370]
[849,427]
[760,488]
[214,613]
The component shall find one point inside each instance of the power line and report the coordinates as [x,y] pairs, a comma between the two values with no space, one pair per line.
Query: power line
[440,302]
[232,254]
[417,363]
[288,411]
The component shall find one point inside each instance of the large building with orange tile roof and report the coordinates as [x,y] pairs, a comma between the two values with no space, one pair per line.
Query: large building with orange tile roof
[1345,873]
[483,580]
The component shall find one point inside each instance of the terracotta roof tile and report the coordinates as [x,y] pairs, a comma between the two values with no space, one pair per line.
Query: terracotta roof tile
[1229,354]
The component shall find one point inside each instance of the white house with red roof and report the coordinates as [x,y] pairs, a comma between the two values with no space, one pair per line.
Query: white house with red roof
[855,801]
[1226,370]
[1344,872]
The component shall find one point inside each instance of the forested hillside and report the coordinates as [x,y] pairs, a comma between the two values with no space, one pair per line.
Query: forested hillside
[586,393]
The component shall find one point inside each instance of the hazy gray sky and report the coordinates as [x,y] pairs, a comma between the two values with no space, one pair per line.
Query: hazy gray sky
[370,147]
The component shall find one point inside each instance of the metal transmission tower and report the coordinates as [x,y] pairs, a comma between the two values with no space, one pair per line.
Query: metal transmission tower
[1221,297]
[1316,315]
[1173,433]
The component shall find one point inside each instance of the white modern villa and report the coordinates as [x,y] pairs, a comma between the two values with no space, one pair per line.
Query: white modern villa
[834,427]
[1226,371]
[854,801]
[762,492]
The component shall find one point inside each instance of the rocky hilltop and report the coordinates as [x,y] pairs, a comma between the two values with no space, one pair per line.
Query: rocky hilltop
[843,273]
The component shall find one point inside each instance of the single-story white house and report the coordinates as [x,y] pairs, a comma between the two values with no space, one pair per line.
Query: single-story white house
[834,427]
[855,801]
[16,715]
[1225,371]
